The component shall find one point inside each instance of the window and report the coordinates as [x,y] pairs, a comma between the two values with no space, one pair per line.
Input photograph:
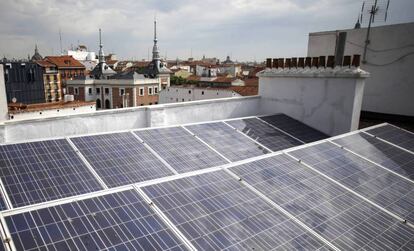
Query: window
[106,91]
[141,91]
[76,91]
[98,90]
[90,91]
[150,103]
[189,91]
[156,103]
[149,90]
[142,104]
[121,91]
[183,100]
[202,93]
[155,89]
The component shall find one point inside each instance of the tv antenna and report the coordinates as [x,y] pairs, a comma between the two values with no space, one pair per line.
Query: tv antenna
[375,9]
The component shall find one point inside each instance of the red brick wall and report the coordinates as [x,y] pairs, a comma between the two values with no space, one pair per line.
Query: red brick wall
[146,99]
[117,99]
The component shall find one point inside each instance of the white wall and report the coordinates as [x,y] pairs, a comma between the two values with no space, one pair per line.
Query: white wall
[181,94]
[390,61]
[3,97]
[329,101]
[129,118]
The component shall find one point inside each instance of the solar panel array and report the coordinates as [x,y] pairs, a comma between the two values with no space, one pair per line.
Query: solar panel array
[180,149]
[43,171]
[320,196]
[120,158]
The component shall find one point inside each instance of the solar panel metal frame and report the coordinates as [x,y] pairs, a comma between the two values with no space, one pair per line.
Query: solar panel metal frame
[5,232]
[393,208]
[317,174]
[388,140]
[145,150]
[211,169]
[219,158]
[260,197]
[287,139]
[81,161]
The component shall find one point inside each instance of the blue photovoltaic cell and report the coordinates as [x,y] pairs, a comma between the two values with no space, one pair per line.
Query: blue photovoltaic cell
[43,171]
[264,134]
[216,212]
[118,221]
[389,156]
[373,182]
[341,217]
[2,203]
[394,135]
[120,158]
[180,149]
[295,128]
[227,141]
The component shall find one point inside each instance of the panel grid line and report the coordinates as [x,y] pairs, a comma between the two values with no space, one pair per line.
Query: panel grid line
[280,130]
[6,234]
[205,143]
[386,141]
[155,153]
[371,161]
[348,189]
[5,196]
[246,136]
[167,221]
[282,210]
[95,174]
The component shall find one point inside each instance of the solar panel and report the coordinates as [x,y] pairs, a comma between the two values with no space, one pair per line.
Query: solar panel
[373,182]
[117,221]
[295,128]
[180,149]
[2,203]
[264,134]
[227,141]
[120,158]
[347,221]
[394,135]
[215,212]
[380,152]
[43,171]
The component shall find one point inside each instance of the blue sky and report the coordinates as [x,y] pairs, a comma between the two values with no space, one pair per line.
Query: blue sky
[244,29]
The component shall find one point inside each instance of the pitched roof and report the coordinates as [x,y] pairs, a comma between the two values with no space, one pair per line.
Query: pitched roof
[44,63]
[65,62]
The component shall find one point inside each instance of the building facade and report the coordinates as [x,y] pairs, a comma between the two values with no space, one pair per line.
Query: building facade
[176,94]
[52,81]
[24,82]
[137,87]
[389,59]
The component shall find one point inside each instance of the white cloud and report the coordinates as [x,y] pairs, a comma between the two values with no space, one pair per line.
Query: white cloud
[244,28]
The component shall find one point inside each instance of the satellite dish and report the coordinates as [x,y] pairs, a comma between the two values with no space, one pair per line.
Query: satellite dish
[14,100]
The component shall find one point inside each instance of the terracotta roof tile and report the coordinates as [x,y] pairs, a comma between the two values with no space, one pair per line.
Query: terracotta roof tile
[64,62]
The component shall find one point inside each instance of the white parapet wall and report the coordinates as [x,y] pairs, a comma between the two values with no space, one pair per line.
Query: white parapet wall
[128,118]
[326,99]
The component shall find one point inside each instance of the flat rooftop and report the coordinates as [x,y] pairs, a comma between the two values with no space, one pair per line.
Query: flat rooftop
[256,182]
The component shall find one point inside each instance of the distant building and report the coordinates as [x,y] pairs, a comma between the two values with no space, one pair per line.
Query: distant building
[52,81]
[137,85]
[24,82]
[36,56]
[85,57]
[176,94]
[68,67]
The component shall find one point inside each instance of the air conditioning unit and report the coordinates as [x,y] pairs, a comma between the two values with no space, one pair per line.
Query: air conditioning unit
[69,98]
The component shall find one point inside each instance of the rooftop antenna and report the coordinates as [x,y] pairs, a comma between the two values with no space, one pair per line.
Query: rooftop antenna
[60,42]
[377,7]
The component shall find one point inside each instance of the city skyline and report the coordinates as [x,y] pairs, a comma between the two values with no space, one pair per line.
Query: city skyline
[244,30]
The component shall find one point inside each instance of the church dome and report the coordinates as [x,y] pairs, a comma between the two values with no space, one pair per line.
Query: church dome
[36,56]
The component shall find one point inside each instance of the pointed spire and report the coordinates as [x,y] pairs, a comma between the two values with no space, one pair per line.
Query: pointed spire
[101,55]
[36,50]
[155,52]
[358,24]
